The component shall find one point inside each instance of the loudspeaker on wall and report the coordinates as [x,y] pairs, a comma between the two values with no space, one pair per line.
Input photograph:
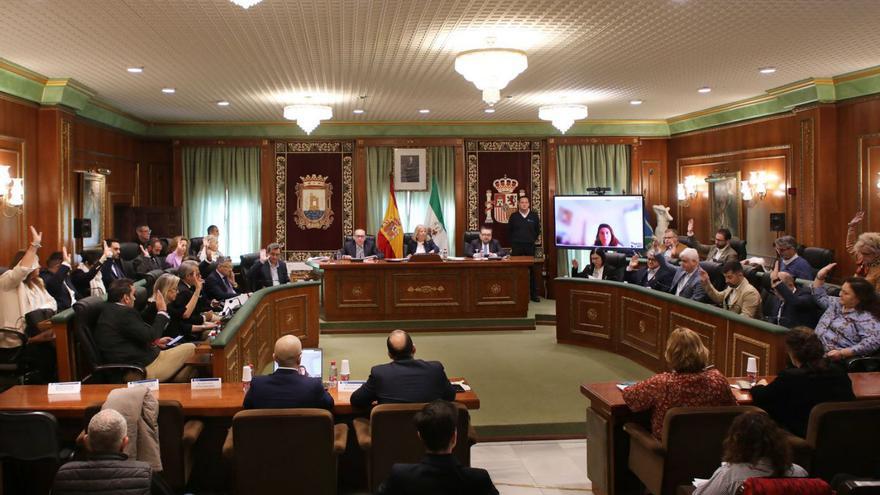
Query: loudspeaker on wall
[777,222]
[82,228]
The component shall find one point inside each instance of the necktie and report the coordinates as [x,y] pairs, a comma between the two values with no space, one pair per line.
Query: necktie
[779,313]
[115,269]
[485,249]
[727,299]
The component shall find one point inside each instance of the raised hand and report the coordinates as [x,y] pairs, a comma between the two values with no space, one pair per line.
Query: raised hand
[144,251]
[690,226]
[108,253]
[65,255]
[857,219]
[823,273]
[774,274]
[574,263]
[704,276]
[263,256]
[161,305]
[634,261]
[36,237]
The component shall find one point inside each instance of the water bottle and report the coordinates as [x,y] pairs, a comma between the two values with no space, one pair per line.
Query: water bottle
[333,375]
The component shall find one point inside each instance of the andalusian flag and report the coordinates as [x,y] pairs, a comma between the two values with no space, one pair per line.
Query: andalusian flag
[390,236]
[434,220]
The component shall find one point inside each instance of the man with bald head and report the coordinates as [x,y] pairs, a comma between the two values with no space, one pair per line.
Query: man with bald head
[359,247]
[793,306]
[287,387]
[405,379]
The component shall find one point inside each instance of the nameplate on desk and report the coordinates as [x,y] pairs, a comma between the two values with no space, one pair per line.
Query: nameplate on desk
[350,386]
[464,386]
[150,384]
[206,383]
[65,388]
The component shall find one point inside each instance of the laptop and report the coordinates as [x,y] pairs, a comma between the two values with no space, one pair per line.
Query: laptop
[312,362]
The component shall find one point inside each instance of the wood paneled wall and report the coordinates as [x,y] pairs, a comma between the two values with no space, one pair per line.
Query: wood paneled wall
[18,138]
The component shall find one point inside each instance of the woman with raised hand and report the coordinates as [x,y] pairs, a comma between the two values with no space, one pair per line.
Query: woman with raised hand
[850,326]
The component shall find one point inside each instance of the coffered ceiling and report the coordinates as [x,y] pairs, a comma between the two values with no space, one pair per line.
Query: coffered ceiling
[400,53]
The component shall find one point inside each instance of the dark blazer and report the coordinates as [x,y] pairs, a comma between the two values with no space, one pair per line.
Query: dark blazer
[260,276]
[216,287]
[370,249]
[412,245]
[662,280]
[123,337]
[145,264]
[176,308]
[404,381]
[57,285]
[476,246]
[608,273]
[799,268]
[523,230]
[107,271]
[81,279]
[800,309]
[437,475]
[285,388]
[791,396]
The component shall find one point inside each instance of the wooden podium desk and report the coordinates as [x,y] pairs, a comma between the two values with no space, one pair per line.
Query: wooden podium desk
[608,444]
[385,290]
[224,402]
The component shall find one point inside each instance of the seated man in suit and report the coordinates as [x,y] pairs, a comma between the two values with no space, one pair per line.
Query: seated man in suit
[721,251]
[739,297]
[56,277]
[404,379]
[686,280]
[113,268]
[657,275]
[122,336]
[286,387]
[786,248]
[150,258]
[672,249]
[439,472]
[420,244]
[793,306]
[485,246]
[221,284]
[271,270]
[360,247]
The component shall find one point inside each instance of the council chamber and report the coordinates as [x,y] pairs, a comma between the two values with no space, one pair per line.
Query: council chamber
[444,247]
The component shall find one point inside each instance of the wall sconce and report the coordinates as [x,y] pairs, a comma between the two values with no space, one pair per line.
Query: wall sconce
[755,187]
[687,190]
[11,193]
[878,184]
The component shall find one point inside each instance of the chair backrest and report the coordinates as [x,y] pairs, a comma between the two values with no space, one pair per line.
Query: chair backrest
[28,436]
[739,245]
[195,245]
[864,364]
[150,278]
[140,297]
[166,245]
[784,486]
[469,237]
[716,276]
[844,437]
[266,461]
[407,237]
[818,257]
[616,261]
[753,275]
[395,439]
[351,238]
[690,456]
[129,250]
[86,311]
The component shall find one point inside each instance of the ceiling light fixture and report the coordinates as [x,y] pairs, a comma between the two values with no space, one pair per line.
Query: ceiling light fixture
[308,116]
[767,70]
[424,110]
[169,91]
[223,103]
[635,102]
[563,115]
[135,70]
[704,89]
[246,4]
[491,68]
[358,111]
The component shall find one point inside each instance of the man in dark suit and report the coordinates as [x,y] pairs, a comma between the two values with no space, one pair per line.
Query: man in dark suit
[150,258]
[113,268]
[439,473]
[524,227]
[221,284]
[270,271]
[686,280]
[360,247]
[56,276]
[122,336]
[793,306]
[286,387]
[485,246]
[404,379]
[656,276]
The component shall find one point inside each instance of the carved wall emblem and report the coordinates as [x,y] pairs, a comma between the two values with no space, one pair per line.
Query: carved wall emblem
[503,202]
[313,206]
[357,291]
[592,314]
[426,289]
[495,289]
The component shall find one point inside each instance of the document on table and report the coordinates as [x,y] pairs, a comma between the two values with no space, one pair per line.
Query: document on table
[350,386]
[462,384]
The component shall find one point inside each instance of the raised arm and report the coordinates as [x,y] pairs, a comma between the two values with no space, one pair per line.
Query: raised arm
[851,234]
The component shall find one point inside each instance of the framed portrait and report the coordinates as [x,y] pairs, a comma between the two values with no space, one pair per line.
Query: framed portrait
[93,201]
[726,202]
[410,169]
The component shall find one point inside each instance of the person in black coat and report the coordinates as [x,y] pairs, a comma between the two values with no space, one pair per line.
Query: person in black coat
[286,387]
[188,310]
[790,397]
[113,268]
[359,239]
[270,270]
[524,227]
[220,284]
[420,237]
[404,379]
[793,306]
[656,275]
[150,258]
[485,244]
[56,277]
[439,473]
[597,269]
[89,269]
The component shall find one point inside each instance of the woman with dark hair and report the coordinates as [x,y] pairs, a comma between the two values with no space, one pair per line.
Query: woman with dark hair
[605,236]
[754,447]
[792,395]
[596,269]
[850,326]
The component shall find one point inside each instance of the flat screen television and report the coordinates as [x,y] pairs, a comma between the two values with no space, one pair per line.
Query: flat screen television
[590,222]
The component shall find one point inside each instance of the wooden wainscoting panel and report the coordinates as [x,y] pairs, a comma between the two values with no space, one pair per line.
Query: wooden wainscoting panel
[641,326]
[291,317]
[494,288]
[232,360]
[247,340]
[744,347]
[359,292]
[414,290]
[711,330]
[591,314]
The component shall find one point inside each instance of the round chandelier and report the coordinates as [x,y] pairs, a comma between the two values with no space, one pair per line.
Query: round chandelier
[562,116]
[307,116]
[491,69]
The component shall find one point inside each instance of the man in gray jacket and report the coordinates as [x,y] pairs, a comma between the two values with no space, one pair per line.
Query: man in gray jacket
[107,469]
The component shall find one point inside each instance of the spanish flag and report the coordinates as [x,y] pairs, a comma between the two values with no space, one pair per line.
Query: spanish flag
[390,236]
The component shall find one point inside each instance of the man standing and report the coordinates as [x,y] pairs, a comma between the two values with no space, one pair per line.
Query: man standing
[739,297]
[721,251]
[405,379]
[270,271]
[286,387]
[360,247]
[485,246]
[524,227]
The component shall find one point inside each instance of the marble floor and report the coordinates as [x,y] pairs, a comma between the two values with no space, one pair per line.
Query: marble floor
[535,468]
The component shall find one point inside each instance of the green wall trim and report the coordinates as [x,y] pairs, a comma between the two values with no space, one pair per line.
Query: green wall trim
[21,87]
[113,119]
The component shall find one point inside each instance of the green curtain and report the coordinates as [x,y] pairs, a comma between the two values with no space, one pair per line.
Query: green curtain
[413,205]
[589,165]
[221,186]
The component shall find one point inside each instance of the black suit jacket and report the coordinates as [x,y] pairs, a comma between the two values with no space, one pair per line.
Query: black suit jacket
[285,388]
[437,475]
[260,276]
[791,396]
[662,278]
[216,288]
[476,246]
[57,284]
[404,381]
[107,271]
[608,273]
[370,249]
[410,248]
[81,280]
[179,325]
[145,264]
[800,309]
[523,230]
[123,337]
